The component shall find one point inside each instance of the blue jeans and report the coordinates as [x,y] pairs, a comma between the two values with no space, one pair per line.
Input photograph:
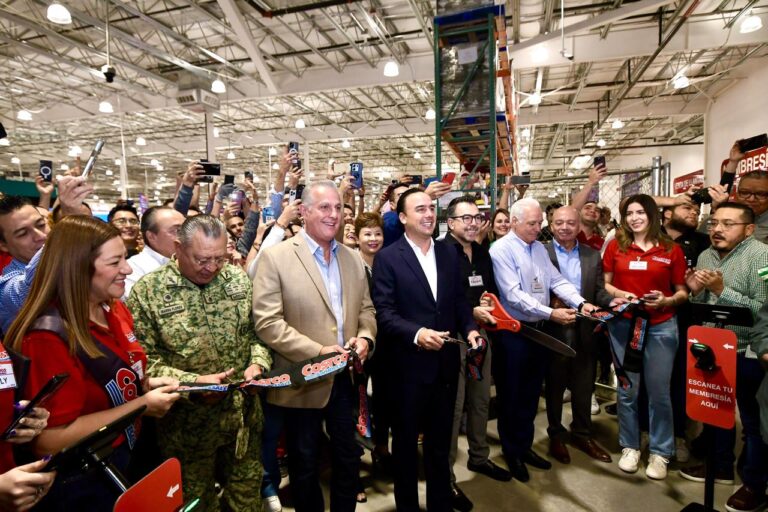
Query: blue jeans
[273,427]
[658,358]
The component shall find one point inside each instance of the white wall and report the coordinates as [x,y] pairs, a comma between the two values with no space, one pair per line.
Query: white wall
[684,159]
[737,113]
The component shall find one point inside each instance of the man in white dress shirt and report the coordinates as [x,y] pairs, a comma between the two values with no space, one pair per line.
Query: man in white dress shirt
[159,226]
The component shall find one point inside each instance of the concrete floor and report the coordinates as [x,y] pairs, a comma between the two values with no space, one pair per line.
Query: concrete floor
[584,485]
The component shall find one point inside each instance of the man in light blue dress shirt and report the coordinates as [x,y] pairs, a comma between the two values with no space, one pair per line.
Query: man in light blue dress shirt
[525,277]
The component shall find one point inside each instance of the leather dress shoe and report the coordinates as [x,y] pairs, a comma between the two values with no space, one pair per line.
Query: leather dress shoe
[491,470]
[532,458]
[518,469]
[559,451]
[459,500]
[591,448]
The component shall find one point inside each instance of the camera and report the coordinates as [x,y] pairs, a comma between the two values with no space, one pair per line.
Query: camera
[109,73]
[701,196]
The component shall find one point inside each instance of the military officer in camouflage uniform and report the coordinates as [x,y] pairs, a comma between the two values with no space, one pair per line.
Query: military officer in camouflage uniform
[194,317]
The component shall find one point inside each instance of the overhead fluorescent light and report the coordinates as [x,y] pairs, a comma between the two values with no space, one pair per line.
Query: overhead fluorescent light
[24,115]
[345,144]
[680,82]
[5,142]
[15,160]
[601,143]
[140,141]
[106,107]
[231,155]
[417,155]
[617,124]
[218,87]
[751,23]
[391,69]
[275,166]
[216,132]
[58,14]
[118,161]
[300,124]
[154,162]
[272,151]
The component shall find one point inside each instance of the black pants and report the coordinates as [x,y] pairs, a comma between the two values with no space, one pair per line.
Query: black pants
[429,406]
[577,374]
[519,366]
[303,429]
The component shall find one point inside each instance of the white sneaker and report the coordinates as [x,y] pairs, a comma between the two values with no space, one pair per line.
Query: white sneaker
[272,504]
[657,467]
[629,459]
[595,406]
[682,453]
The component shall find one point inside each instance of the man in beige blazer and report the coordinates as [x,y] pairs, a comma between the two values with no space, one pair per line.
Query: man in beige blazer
[311,297]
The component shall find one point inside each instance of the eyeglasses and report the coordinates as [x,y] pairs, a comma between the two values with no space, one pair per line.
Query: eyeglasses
[124,221]
[207,261]
[726,224]
[327,209]
[467,219]
[746,194]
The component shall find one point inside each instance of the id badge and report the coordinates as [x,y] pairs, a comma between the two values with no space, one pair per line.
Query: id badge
[638,265]
[475,280]
[7,379]
[537,287]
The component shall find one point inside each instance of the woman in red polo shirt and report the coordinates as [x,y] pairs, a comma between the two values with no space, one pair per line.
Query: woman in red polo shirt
[642,262]
[74,323]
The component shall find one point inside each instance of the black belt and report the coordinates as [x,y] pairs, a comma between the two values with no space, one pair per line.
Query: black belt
[535,325]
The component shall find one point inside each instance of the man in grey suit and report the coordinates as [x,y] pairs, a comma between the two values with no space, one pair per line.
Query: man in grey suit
[582,266]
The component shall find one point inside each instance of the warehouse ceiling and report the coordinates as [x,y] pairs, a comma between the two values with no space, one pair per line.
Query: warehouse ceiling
[323,61]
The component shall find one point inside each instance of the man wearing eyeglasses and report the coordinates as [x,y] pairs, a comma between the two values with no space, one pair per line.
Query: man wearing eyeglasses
[126,219]
[193,317]
[727,273]
[464,221]
[753,192]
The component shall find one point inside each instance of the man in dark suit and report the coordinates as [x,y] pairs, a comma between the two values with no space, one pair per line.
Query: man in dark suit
[582,266]
[419,299]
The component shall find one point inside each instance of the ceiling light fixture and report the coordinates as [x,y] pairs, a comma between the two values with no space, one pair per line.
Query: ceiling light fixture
[617,124]
[15,160]
[74,151]
[109,172]
[275,166]
[105,107]
[430,114]
[154,162]
[391,69]
[216,132]
[58,14]
[231,155]
[601,143]
[680,82]
[118,161]
[751,23]
[526,133]
[272,151]
[417,155]
[160,168]
[64,167]
[345,144]
[534,99]
[140,141]
[218,86]
[24,115]
[5,142]
[300,124]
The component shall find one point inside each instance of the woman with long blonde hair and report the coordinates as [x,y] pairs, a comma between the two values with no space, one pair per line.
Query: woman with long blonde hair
[73,322]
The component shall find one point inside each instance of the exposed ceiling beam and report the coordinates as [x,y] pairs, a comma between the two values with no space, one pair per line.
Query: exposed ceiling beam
[236,20]
[561,113]
[635,41]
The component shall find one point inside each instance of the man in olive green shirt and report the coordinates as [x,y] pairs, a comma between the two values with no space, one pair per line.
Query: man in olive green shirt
[193,316]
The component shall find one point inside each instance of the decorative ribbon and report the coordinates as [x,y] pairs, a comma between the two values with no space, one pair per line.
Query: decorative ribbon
[633,352]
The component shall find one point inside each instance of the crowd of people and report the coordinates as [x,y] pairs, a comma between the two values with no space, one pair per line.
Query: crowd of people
[142,310]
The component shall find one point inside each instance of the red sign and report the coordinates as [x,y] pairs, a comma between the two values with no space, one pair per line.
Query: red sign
[159,491]
[686,181]
[711,396]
